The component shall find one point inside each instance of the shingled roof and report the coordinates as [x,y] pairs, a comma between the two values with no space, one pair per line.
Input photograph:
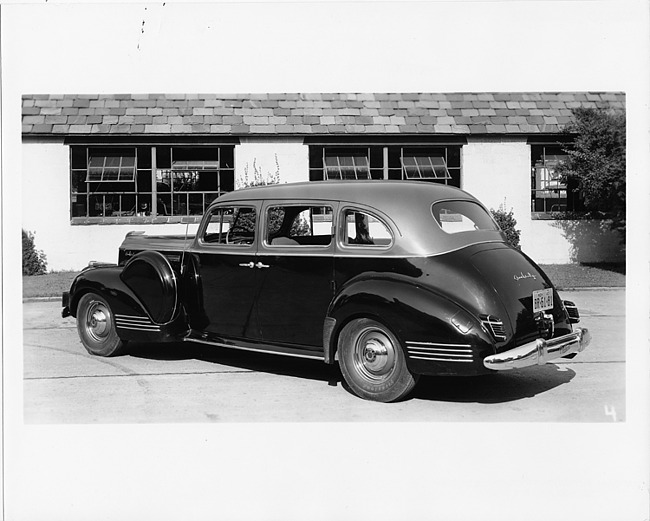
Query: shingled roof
[307,114]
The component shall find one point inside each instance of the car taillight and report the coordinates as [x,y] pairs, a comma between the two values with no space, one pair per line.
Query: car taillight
[495,327]
[572,311]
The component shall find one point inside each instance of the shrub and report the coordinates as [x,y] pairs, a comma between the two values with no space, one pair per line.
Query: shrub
[260,178]
[507,223]
[34,261]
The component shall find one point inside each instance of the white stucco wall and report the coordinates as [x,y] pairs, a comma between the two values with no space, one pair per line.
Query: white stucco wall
[46,199]
[497,172]
[288,157]
[46,211]
[564,241]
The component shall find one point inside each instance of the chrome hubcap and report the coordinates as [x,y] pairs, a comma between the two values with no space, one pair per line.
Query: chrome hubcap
[374,355]
[98,321]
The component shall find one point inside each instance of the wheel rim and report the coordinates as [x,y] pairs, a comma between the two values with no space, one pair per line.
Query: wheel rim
[374,355]
[98,321]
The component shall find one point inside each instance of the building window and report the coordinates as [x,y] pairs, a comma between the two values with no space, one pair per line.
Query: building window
[548,191]
[111,165]
[423,164]
[346,163]
[440,164]
[148,181]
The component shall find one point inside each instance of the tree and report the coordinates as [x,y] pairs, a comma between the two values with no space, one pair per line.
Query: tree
[596,162]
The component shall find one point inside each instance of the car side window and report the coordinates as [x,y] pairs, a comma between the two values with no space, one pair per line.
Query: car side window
[364,229]
[294,225]
[233,225]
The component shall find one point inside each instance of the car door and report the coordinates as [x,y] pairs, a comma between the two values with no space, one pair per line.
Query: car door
[297,265]
[225,258]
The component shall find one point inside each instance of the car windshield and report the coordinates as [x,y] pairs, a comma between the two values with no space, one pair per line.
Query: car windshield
[462,216]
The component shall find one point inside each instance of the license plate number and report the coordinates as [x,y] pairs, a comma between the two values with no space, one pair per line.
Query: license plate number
[542,300]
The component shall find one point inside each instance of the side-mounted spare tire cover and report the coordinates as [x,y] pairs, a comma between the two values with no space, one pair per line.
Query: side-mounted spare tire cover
[150,276]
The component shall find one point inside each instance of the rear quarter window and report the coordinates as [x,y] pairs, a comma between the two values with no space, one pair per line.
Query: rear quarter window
[462,216]
[364,229]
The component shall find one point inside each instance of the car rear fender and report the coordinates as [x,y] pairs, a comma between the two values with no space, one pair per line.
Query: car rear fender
[412,312]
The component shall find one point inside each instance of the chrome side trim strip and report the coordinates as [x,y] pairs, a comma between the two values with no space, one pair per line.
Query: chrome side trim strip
[441,359]
[254,349]
[139,328]
[447,353]
[440,352]
[136,323]
[437,350]
[133,318]
[435,344]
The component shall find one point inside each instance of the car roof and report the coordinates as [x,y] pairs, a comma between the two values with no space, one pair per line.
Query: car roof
[378,193]
[407,204]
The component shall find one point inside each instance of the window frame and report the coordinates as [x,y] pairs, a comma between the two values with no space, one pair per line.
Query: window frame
[139,203]
[340,152]
[572,201]
[385,157]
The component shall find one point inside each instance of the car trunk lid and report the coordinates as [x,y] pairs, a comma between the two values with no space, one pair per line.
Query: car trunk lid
[518,281]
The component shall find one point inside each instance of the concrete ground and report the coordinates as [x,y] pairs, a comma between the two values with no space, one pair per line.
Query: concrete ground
[187,382]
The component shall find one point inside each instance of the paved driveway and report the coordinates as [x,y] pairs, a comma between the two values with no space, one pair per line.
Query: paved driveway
[187,382]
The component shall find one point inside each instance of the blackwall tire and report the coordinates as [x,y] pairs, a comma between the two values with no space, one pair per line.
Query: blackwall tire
[373,362]
[96,326]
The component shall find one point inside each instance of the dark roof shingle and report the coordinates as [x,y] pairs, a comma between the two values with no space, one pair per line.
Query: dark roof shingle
[310,113]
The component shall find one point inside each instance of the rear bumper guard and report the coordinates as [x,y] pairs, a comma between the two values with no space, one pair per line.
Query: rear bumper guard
[540,351]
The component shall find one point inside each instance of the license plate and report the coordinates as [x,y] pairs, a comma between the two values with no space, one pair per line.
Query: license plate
[542,300]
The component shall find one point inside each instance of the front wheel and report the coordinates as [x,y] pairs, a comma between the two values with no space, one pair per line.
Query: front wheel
[96,326]
[373,363]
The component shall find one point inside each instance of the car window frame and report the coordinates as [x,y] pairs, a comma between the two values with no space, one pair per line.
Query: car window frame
[342,223]
[497,228]
[297,249]
[243,248]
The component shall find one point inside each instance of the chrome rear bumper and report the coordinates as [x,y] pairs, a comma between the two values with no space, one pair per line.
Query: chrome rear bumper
[540,351]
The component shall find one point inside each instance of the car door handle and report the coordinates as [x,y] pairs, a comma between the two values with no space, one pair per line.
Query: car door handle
[260,265]
[250,264]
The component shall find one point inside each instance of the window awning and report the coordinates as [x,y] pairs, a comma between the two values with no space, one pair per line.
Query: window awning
[108,166]
[350,166]
[425,167]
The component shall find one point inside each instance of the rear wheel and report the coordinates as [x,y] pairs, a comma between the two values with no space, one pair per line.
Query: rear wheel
[96,326]
[373,363]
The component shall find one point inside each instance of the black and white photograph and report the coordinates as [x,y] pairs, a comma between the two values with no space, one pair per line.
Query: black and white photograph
[314,260]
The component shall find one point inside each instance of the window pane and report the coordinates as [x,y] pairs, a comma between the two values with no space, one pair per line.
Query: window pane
[347,164]
[462,216]
[549,192]
[299,226]
[424,164]
[363,229]
[105,165]
[231,225]
[195,158]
